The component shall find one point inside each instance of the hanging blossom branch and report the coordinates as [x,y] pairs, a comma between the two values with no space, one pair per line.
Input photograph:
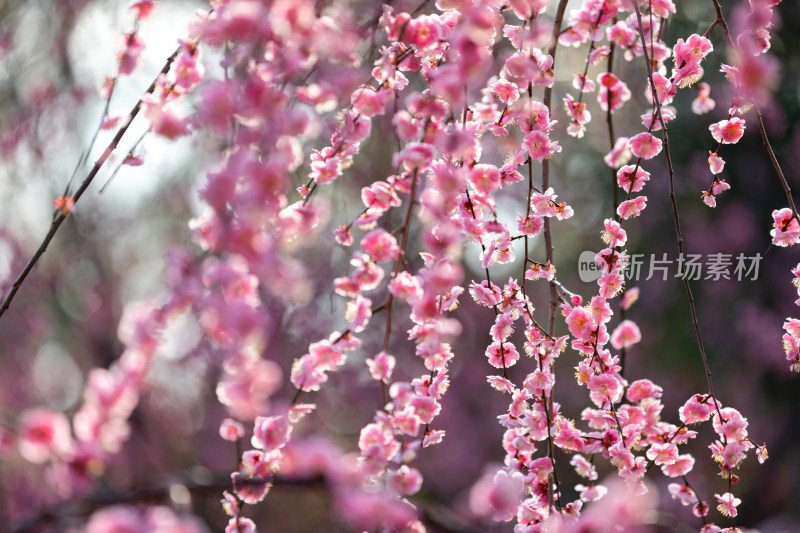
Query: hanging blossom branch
[761,37]
[549,401]
[729,440]
[676,217]
[752,68]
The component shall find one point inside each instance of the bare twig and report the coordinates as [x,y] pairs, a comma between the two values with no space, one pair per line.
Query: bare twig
[59,219]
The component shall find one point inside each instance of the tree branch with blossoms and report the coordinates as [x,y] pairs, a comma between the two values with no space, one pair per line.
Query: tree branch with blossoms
[386,157]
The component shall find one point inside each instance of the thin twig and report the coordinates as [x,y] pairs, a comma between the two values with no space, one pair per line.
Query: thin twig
[675,215]
[761,128]
[58,220]
[548,239]
[612,141]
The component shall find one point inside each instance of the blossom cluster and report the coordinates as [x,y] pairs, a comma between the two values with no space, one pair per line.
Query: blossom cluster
[461,94]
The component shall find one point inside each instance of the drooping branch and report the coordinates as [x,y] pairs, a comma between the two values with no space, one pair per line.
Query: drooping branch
[675,216]
[548,239]
[759,118]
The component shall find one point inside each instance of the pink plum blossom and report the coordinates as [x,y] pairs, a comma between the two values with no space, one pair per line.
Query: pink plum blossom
[620,154]
[605,389]
[680,466]
[43,435]
[502,355]
[381,367]
[380,245]
[715,162]
[271,432]
[629,183]
[484,178]
[358,313]
[538,144]
[506,91]
[643,389]
[369,102]
[632,208]
[692,50]
[697,409]
[645,145]
[614,235]
[727,504]
[231,430]
[117,518]
[580,323]
[132,47]
[786,228]
[728,131]
[613,92]
[625,335]
[405,480]
[505,495]
[719,185]
[631,295]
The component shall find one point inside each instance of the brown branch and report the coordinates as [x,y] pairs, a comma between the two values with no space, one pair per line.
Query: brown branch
[404,232]
[438,518]
[548,98]
[59,219]
[675,216]
[771,153]
[87,505]
[548,239]
[612,140]
[761,128]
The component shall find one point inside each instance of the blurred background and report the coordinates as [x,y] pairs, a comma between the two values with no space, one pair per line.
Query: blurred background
[53,57]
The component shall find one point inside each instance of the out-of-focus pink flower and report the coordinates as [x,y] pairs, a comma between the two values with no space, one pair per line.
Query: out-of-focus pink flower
[128,58]
[117,519]
[631,295]
[620,154]
[369,102]
[703,103]
[380,245]
[231,430]
[497,495]
[43,435]
[405,480]
[270,433]
[625,335]
[613,92]
[381,367]
[142,8]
